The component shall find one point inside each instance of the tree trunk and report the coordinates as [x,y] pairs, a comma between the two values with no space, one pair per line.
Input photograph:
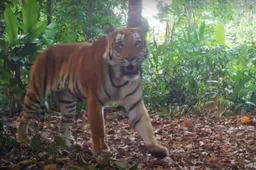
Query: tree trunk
[134,13]
[49,11]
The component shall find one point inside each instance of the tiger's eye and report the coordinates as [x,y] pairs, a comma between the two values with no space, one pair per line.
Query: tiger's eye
[137,43]
[119,44]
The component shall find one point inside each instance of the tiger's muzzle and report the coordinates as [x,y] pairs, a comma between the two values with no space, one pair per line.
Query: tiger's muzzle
[130,68]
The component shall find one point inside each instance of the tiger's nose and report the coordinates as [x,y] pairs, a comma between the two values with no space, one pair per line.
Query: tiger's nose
[130,59]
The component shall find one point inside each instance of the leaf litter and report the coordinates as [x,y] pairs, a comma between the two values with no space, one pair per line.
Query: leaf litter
[195,142]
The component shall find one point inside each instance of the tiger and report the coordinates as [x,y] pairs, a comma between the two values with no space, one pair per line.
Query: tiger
[108,69]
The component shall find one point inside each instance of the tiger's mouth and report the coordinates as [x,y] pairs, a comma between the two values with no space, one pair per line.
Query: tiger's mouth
[129,70]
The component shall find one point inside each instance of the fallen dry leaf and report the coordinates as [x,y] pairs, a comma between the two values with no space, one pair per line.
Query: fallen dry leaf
[50,167]
[186,122]
[212,143]
[244,119]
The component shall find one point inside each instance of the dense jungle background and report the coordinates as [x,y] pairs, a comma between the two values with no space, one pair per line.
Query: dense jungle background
[202,62]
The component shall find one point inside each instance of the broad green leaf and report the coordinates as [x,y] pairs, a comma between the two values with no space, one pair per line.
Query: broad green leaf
[36,31]
[219,33]
[11,27]
[30,15]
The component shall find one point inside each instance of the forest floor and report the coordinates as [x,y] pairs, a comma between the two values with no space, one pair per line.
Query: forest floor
[195,142]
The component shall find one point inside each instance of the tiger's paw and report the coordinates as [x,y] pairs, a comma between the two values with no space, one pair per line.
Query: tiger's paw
[98,149]
[22,133]
[158,151]
[22,139]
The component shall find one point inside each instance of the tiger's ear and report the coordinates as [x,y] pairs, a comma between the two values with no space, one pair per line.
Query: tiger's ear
[108,28]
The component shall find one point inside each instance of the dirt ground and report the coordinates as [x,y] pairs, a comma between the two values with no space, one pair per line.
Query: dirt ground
[195,142]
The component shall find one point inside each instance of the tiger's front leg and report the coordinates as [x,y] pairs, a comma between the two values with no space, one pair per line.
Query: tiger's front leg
[96,121]
[139,119]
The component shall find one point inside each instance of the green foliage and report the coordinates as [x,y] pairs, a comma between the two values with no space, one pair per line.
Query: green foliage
[36,31]
[192,67]
[18,48]
[82,20]
[219,34]
[30,15]
[11,27]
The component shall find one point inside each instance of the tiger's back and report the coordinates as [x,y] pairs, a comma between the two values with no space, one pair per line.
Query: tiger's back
[51,64]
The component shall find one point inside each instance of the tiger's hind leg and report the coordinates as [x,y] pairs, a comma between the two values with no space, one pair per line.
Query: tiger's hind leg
[68,109]
[32,108]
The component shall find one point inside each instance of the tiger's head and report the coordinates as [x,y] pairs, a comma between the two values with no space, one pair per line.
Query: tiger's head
[127,49]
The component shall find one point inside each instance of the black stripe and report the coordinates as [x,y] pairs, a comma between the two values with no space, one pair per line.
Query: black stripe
[110,72]
[33,103]
[70,106]
[132,91]
[100,101]
[29,107]
[31,115]
[73,110]
[68,116]
[77,91]
[135,121]
[134,105]
[124,110]
[110,55]
[65,101]
[80,94]
[105,90]
[72,93]
[80,99]
[33,99]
